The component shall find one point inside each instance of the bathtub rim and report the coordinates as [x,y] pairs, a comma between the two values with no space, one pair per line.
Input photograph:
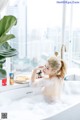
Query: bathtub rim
[52,117]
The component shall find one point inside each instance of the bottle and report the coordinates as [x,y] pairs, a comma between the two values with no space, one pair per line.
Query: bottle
[4,81]
[11,78]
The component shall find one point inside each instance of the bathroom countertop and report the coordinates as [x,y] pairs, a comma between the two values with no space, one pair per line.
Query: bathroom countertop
[15,86]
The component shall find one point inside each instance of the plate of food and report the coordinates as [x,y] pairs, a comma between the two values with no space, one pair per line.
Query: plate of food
[21,79]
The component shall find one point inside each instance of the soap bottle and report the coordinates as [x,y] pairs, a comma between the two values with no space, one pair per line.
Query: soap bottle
[11,78]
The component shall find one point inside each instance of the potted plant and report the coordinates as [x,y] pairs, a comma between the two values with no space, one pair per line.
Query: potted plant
[6,23]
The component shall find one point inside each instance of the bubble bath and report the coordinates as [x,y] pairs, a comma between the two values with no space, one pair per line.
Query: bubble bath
[32,106]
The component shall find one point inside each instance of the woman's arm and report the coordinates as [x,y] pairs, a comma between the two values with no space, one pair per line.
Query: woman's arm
[34,75]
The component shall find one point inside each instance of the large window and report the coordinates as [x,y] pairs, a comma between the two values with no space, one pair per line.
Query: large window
[42,27]
[38,31]
[72,30]
[44,20]
[76,35]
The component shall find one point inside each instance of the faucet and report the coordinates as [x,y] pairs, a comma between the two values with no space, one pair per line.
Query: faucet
[56,53]
[63,47]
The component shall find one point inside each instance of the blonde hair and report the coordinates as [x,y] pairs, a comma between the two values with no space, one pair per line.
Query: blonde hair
[59,65]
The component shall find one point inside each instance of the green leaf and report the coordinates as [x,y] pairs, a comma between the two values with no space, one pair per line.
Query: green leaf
[2,59]
[6,24]
[5,37]
[7,51]
[5,47]
[3,73]
[13,53]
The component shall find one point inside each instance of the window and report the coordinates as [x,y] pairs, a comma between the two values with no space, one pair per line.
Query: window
[43,26]
[38,32]
[44,19]
[72,30]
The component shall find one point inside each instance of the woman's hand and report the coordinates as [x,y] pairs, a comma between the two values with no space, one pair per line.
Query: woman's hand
[34,73]
[38,68]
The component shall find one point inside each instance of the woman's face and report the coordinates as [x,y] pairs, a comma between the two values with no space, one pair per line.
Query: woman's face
[47,70]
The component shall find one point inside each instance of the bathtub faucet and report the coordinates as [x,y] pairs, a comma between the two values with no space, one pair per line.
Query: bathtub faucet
[63,49]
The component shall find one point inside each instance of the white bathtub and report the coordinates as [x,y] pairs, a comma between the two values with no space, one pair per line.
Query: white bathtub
[72,77]
[20,103]
[73,74]
[72,113]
